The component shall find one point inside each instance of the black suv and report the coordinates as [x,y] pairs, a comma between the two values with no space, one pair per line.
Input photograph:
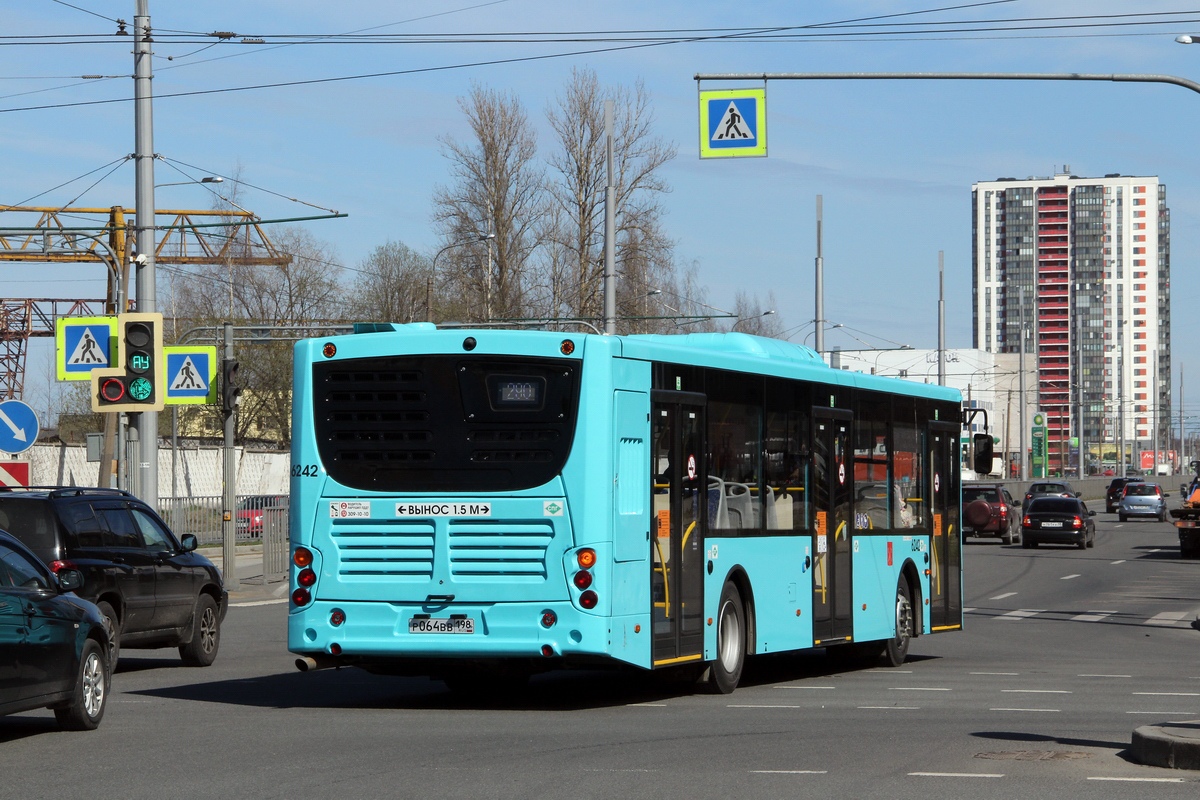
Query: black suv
[1116,490]
[153,590]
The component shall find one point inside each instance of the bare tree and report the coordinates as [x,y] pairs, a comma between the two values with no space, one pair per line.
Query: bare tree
[750,316]
[577,193]
[393,285]
[498,194]
[296,293]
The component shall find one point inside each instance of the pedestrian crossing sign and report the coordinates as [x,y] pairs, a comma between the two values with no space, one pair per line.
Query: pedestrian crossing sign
[191,374]
[733,123]
[82,344]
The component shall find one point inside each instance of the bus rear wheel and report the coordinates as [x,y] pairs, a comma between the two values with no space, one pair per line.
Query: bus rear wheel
[726,671]
[896,649]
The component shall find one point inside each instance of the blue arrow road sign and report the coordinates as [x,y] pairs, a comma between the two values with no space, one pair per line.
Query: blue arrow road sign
[18,426]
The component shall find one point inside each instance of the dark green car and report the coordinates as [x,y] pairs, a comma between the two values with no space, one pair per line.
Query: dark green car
[53,644]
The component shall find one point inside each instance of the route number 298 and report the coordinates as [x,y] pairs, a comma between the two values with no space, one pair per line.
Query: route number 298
[304,470]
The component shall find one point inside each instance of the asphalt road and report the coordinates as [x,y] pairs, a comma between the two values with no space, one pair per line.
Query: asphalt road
[1065,652]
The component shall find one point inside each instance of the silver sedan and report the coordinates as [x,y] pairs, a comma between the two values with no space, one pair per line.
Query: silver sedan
[1143,500]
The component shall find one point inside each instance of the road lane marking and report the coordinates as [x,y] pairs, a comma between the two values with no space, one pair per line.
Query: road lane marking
[1138,780]
[956,774]
[252,603]
[1051,710]
[1164,713]
[1021,613]
[748,705]
[917,689]
[1169,694]
[1093,675]
[789,772]
[805,687]
[1037,691]
[889,708]
[993,673]
[1002,596]
[646,705]
[1069,577]
[1166,618]
[1122,561]
[1092,616]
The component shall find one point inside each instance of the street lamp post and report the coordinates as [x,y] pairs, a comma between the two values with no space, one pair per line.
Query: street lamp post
[113,263]
[820,342]
[740,320]
[483,237]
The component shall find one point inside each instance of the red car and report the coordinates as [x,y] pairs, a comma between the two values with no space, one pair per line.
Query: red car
[249,517]
[989,510]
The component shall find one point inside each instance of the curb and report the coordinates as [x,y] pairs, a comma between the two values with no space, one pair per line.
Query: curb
[1175,745]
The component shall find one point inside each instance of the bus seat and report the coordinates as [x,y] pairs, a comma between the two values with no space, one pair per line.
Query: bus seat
[741,507]
[718,513]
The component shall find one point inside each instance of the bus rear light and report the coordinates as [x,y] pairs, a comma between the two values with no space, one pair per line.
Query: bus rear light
[337,617]
[549,619]
[547,650]
[306,577]
[586,558]
[329,350]
[583,579]
[300,597]
[302,557]
[567,347]
[589,599]
[335,649]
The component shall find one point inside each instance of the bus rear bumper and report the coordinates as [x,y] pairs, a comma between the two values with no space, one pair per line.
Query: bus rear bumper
[379,631]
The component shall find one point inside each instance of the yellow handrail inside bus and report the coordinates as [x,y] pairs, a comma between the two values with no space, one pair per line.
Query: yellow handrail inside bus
[688,532]
[666,604]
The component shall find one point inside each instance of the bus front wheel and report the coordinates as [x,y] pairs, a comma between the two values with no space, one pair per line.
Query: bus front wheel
[896,650]
[725,672]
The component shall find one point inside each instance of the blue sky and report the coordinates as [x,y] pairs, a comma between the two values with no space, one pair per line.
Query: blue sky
[893,161]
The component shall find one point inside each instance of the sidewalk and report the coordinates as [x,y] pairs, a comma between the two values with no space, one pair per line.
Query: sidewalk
[251,585]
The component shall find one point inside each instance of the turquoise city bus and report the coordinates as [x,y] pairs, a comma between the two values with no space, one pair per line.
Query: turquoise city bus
[478,505]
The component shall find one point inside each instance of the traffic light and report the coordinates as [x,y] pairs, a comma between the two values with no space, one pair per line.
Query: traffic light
[137,383]
[229,392]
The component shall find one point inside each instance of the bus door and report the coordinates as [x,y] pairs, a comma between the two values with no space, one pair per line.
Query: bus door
[679,499]
[832,524]
[945,579]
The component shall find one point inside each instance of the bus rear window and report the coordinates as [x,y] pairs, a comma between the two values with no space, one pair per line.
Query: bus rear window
[445,423]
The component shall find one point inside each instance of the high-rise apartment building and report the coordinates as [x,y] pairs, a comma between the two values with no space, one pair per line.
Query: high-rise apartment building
[1092,256]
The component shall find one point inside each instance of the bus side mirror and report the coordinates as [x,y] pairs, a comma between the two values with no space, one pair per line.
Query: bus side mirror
[983,453]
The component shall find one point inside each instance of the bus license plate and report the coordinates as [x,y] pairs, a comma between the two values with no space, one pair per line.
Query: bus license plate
[441,625]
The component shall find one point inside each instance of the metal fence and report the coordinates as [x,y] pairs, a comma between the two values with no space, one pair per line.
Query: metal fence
[201,516]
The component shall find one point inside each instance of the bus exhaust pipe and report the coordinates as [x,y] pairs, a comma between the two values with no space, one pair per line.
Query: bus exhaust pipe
[313,663]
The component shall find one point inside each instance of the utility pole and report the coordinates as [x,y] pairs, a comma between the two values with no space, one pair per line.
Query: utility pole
[1022,404]
[610,228]
[941,318]
[819,289]
[229,475]
[145,424]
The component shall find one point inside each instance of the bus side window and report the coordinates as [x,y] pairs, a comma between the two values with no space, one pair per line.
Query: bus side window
[909,470]
[735,446]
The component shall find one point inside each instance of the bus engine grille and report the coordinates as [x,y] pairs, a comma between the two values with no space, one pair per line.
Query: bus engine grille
[398,551]
[509,549]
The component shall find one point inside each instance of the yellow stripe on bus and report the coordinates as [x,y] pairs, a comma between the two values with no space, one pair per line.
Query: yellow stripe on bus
[681,660]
